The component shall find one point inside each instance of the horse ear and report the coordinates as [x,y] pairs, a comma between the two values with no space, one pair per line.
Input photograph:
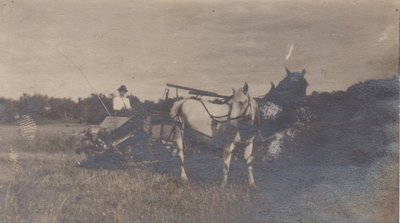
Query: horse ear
[303,72]
[245,88]
[233,90]
[287,71]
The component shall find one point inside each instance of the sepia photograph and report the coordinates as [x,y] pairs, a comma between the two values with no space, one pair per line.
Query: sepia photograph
[192,111]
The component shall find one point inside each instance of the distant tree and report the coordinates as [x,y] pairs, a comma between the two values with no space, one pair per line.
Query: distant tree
[87,110]
[36,105]
[165,105]
[8,110]
[91,109]
[137,105]
[149,105]
[61,109]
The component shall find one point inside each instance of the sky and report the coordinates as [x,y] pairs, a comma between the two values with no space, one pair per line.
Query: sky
[51,47]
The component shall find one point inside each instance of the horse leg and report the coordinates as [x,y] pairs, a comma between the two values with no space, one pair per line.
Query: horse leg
[228,149]
[179,144]
[248,156]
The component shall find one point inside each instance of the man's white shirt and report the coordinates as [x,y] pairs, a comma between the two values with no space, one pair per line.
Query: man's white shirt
[120,103]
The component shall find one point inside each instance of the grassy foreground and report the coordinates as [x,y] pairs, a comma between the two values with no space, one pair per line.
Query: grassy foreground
[40,183]
[344,167]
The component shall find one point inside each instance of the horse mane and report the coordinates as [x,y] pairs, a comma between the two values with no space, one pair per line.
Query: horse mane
[255,111]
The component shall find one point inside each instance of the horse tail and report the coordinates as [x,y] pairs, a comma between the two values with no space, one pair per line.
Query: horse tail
[176,108]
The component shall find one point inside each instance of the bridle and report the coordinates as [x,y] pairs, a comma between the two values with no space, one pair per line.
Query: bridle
[228,116]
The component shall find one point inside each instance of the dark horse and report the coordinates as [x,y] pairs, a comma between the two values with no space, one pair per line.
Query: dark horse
[283,108]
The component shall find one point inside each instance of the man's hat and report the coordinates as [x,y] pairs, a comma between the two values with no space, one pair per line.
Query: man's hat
[122,88]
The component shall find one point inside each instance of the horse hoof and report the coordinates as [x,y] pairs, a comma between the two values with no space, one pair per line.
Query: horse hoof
[252,186]
[184,182]
[223,185]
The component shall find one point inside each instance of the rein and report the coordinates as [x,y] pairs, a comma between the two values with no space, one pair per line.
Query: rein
[215,118]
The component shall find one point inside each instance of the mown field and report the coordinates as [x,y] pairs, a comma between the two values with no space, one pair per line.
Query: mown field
[39,182]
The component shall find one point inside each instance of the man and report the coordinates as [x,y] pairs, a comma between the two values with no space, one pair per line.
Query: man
[121,103]
[122,108]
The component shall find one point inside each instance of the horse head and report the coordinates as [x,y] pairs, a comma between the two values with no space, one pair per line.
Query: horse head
[242,105]
[295,76]
[294,82]
[289,91]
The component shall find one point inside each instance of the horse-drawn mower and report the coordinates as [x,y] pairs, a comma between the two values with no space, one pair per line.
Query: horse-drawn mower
[119,137]
[115,137]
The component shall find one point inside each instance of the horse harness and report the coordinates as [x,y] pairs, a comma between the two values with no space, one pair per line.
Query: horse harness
[216,118]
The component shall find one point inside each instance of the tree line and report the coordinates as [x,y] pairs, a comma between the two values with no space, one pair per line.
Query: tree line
[45,109]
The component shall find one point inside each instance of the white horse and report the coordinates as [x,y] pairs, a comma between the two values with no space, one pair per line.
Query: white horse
[231,123]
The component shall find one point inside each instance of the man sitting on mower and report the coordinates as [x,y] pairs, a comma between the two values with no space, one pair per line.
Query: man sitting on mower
[121,103]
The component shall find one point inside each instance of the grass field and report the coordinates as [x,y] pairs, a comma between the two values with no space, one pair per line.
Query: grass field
[40,182]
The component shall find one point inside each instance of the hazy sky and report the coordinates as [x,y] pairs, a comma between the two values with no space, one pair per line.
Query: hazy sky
[214,45]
